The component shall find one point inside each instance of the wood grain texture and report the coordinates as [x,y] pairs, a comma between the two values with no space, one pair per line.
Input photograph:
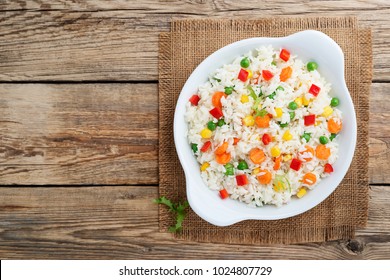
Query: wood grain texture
[117,40]
[108,134]
[62,134]
[121,223]
[78,134]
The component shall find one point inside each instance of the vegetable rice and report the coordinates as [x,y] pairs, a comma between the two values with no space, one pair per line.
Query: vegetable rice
[264,128]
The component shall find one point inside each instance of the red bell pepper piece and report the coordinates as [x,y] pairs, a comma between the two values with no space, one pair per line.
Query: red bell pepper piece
[206,146]
[266,139]
[309,120]
[241,180]
[328,168]
[194,100]
[216,113]
[315,90]
[223,193]
[243,75]
[295,164]
[284,54]
[267,75]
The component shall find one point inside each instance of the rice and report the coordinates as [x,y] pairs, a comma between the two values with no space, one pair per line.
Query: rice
[255,99]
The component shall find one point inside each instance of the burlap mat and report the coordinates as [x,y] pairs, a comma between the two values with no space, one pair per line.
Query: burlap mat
[182,49]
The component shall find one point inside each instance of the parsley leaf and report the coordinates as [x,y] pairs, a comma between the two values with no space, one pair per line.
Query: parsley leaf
[165,201]
[178,208]
[252,93]
[272,95]
[261,113]
[256,104]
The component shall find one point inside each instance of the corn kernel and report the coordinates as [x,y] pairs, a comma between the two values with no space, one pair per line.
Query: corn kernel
[275,151]
[279,112]
[250,73]
[248,121]
[317,123]
[256,171]
[299,101]
[206,133]
[287,136]
[327,111]
[244,98]
[287,158]
[301,192]
[204,166]
[305,101]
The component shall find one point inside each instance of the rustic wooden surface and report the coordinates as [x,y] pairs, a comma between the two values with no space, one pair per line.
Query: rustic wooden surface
[79,122]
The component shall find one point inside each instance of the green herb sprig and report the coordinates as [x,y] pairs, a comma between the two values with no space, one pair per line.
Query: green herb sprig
[178,208]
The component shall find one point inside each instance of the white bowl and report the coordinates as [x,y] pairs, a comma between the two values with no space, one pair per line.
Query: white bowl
[307,45]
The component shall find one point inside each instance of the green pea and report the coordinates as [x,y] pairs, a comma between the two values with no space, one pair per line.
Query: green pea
[242,165]
[306,136]
[332,136]
[221,122]
[292,115]
[194,147]
[228,90]
[283,124]
[293,105]
[229,169]
[272,95]
[334,102]
[279,88]
[324,140]
[245,62]
[311,66]
[211,125]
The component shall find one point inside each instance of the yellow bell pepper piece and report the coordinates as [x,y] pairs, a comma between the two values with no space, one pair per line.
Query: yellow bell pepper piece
[248,121]
[299,101]
[287,136]
[250,73]
[204,166]
[279,112]
[301,192]
[305,101]
[287,158]
[256,171]
[275,151]
[327,111]
[244,98]
[279,186]
[206,133]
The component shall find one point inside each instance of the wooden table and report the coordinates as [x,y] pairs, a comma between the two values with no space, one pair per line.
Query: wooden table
[79,122]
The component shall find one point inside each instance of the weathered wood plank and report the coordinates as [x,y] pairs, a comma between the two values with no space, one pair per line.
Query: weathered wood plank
[78,134]
[118,40]
[121,223]
[200,6]
[379,132]
[108,134]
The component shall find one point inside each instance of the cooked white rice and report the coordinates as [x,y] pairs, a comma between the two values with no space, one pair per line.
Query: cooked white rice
[234,111]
